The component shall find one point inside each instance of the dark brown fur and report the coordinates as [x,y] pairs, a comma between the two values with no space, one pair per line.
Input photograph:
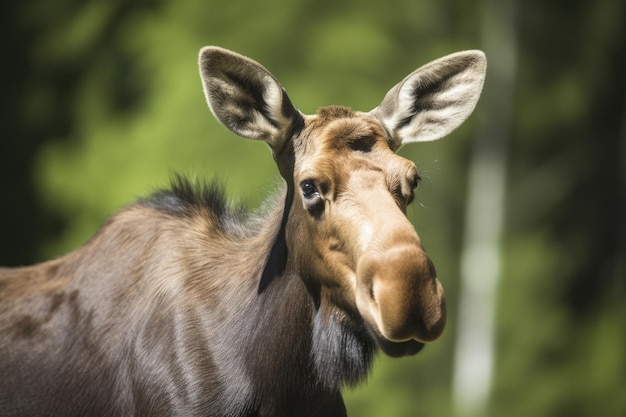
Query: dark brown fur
[151,318]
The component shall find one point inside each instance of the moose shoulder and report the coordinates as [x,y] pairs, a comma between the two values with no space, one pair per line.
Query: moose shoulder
[184,306]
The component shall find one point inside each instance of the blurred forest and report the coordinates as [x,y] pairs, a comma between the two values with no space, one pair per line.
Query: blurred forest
[102,102]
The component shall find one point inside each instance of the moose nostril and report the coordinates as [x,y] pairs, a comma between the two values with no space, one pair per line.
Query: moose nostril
[372,294]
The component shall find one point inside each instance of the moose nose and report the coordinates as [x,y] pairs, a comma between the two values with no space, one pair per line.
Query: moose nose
[398,293]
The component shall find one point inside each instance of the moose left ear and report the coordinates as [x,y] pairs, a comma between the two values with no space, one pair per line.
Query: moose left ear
[245,97]
[433,100]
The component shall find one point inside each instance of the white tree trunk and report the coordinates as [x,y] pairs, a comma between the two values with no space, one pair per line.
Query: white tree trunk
[485,212]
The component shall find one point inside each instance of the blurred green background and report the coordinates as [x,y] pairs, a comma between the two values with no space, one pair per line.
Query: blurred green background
[102,102]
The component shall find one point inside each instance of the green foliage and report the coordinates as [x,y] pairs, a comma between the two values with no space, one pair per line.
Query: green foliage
[107,104]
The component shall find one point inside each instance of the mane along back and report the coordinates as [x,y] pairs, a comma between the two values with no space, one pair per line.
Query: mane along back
[187,198]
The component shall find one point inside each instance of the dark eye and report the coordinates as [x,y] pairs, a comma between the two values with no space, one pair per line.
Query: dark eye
[308,189]
[313,200]
[416,182]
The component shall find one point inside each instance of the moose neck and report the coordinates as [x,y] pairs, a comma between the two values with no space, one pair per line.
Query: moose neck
[296,322]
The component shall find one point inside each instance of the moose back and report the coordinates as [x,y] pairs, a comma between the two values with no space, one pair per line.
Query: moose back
[181,305]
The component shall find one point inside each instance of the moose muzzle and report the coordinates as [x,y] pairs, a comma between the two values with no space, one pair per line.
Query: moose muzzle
[398,294]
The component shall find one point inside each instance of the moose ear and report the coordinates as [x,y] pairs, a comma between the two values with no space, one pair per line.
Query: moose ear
[433,100]
[245,97]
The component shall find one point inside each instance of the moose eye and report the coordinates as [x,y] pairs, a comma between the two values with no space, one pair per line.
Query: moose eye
[313,201]
[416,182]
[308,189]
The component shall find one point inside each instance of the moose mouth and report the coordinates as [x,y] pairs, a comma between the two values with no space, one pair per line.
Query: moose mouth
[397,349]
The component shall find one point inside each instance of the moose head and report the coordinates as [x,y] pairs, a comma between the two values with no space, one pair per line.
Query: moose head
[344,226]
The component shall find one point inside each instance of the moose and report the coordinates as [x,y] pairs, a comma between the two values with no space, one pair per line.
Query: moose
[184,304]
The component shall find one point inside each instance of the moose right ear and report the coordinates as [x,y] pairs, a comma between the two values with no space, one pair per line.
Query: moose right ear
[433,100]
[245,97]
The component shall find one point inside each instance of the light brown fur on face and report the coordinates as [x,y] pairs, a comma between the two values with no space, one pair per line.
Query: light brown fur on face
[361,244]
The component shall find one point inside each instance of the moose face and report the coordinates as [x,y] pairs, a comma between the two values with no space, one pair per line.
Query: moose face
[345,226]
[350,234]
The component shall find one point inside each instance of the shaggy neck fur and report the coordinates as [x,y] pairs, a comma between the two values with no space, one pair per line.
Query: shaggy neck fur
[277,325]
